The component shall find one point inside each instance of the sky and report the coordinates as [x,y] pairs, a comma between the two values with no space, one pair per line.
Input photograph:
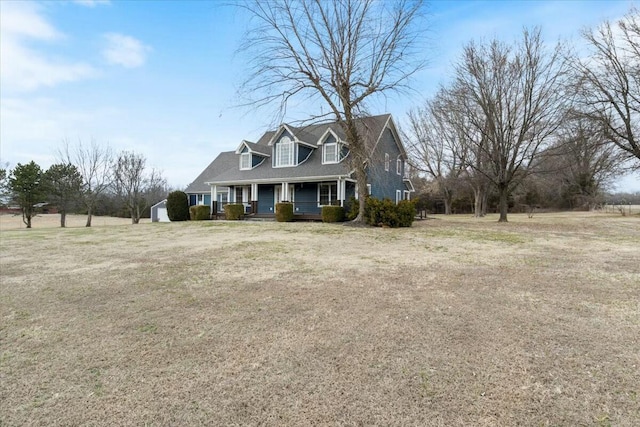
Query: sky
[160,78]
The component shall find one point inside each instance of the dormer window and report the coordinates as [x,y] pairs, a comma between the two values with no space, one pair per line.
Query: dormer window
[284,152]
[330,152]
[245,161]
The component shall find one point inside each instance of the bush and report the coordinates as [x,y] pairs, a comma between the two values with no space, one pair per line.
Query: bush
[234,211]
[332,214]
[178,206]
[284,212]
[352,212]
[199,212]
[406,213]
[386,213]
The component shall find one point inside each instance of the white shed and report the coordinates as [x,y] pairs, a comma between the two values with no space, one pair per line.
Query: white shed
[159,212]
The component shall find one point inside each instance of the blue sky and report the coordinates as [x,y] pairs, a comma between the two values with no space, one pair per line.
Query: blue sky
[160,77]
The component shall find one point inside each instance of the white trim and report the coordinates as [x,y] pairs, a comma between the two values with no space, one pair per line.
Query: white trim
[325,135]
[277,181]
[330,184]
[244,156]
[406,194]
[336,149]
[277,156]
[387,161]
[398,196]
[399,166]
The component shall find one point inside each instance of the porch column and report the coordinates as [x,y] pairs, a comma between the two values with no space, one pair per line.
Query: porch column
[342,190]
[254,198]
[284,193]
[214,200]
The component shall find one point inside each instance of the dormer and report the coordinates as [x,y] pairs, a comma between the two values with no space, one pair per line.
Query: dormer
[251,155]
[334,150]
[287,149]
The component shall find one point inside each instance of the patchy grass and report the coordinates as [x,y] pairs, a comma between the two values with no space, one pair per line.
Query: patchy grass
[455,321]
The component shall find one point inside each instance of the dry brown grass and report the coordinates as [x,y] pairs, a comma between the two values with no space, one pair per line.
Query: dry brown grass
[455,321]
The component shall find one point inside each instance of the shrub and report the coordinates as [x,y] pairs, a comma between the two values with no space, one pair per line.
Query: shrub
[234,211]
[352,212]
[178,206]
[332,214]
[386,213]
[284,212]
[199,212]
[406,213]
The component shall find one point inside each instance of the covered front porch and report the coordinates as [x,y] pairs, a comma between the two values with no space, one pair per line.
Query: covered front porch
[260,199]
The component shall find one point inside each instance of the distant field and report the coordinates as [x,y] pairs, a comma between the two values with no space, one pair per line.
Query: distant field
[455,321]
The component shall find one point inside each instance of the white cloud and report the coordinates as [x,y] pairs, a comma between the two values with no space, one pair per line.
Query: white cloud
[25,68]
[125,50]
[91,3]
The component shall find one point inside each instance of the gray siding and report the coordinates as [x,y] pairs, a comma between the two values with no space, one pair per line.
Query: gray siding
[385,183]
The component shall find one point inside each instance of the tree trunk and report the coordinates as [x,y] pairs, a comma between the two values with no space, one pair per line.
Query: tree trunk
[447,204]
[485,201]
[361,183]
[89,215]
[477,202]
[63,219]
[503,191]
[26,218]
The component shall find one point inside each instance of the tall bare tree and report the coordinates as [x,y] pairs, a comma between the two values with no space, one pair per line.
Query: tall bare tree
[437,144]
[93,161]
[133,183]
[342,52]
[608,81]
[514,97]
[580,164]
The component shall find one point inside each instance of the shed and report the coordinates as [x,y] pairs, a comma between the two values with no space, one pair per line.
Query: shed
[159,212]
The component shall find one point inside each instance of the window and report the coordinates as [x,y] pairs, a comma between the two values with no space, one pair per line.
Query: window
[284,152]
[330,153]
[407,195]
[399,167]
[327,193]
[406,170]
[238,194]
[223,199]
[386,162]
[200,200]
[245,161]
[398,196]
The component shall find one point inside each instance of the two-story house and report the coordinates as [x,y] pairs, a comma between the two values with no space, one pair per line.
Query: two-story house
[308,166]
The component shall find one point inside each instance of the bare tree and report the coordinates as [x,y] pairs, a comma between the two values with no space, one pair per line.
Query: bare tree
[580,164]
[514,97]
[342,52]
[437,145]
[608,81]
[93,161]
[133,184]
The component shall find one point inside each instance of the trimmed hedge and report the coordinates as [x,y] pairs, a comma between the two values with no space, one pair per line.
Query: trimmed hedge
[199,212]
[234,211]
[284,212]
[385,213]
[332,214]
[178,206]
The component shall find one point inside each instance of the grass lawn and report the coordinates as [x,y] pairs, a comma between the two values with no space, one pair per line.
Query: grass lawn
[455,321]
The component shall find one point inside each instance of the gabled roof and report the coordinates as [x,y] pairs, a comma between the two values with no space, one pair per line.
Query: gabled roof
[299,135]
[254,148]
[225,168]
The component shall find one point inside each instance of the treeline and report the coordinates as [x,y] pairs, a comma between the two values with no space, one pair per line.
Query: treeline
[525,125]
[87,179]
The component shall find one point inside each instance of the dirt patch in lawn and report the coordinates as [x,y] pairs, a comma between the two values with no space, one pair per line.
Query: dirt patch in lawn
[455,321]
